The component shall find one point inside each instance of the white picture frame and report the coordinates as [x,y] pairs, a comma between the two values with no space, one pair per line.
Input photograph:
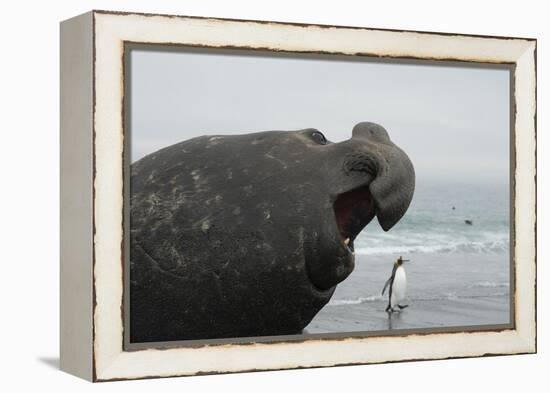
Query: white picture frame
[93,187]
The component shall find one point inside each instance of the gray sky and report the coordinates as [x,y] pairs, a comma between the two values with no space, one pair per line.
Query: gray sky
[448,119]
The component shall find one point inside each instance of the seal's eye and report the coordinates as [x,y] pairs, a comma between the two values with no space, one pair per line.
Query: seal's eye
[319,138]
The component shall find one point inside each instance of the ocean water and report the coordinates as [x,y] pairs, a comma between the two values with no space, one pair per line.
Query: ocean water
[432,226]
[459,274]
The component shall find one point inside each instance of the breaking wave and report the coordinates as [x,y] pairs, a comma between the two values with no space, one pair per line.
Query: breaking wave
[489,284]
[491,246]
[347,302]
[379,298]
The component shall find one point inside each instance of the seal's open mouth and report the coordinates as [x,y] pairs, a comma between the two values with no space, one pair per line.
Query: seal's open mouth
[353,210]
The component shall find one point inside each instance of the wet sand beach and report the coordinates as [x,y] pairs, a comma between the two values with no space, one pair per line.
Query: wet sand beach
[444,290]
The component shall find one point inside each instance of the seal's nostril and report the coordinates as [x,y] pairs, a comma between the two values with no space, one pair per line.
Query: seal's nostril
[360,162]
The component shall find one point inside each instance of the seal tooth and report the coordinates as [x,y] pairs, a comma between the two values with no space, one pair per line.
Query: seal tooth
[346,242]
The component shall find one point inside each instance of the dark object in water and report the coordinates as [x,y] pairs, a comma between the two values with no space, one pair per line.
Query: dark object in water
[469,222]
[453,208]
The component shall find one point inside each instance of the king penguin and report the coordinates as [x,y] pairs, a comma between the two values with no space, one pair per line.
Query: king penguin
[398,286]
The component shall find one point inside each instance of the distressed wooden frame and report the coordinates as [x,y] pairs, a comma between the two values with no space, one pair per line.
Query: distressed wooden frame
[93,186]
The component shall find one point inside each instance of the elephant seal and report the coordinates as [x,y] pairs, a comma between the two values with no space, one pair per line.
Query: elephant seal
[248,235]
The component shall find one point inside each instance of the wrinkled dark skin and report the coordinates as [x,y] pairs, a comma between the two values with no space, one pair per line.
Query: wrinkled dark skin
[235,236]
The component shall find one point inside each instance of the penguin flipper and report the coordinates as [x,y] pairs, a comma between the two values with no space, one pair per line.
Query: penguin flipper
[386,285]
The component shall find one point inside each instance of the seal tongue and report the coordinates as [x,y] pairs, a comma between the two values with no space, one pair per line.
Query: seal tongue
[354,210]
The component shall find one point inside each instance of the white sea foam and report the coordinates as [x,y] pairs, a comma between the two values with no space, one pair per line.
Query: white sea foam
[345,302]
[378,298]
[490,284]
[492,246]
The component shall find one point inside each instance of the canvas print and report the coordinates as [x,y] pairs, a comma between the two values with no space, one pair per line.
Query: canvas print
[292,195]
